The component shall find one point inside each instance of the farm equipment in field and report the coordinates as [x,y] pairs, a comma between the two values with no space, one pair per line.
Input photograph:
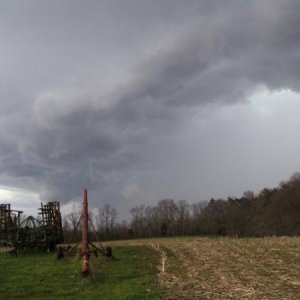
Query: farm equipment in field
[31,234]
[87,248]
[9,224]
[52,224]
[45,233]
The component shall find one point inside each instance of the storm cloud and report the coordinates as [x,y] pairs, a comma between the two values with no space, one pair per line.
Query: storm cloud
[103,94]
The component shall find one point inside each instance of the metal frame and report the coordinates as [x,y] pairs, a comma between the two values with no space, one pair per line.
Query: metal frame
[31,234]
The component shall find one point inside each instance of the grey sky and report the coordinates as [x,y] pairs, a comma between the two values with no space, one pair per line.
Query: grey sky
[142,100]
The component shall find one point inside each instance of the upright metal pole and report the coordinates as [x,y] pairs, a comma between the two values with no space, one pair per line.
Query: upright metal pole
[84,247]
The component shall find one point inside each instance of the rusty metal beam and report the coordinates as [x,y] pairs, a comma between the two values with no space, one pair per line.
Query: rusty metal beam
[85,243]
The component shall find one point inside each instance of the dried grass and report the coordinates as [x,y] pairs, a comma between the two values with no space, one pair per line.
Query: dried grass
[226,268]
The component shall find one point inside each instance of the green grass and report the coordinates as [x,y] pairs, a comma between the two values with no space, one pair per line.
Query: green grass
[130,275]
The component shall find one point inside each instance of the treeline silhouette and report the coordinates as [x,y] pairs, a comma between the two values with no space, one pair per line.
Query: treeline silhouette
[274,211]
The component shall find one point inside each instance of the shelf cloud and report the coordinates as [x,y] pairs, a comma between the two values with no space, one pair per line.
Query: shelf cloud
[103,93]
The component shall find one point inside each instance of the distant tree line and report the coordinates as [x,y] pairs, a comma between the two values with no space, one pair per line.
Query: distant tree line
[273,211]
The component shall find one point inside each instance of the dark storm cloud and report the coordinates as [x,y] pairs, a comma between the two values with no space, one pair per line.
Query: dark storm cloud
[86,85]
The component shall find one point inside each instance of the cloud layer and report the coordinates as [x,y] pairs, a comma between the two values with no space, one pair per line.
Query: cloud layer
[97,94]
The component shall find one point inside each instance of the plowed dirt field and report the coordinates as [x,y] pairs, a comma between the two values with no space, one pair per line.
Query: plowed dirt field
[227,268]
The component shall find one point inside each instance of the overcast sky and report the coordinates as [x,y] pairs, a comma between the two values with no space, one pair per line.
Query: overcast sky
[144,100]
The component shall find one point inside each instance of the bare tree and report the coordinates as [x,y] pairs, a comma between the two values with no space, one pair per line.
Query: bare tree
[167,209]
[248,195]
[197,216]
[152,221]
[106,219]
[73,220]
[183,215]
[138,220]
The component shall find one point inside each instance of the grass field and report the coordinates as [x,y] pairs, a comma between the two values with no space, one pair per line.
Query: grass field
[131,275]
[170,268]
